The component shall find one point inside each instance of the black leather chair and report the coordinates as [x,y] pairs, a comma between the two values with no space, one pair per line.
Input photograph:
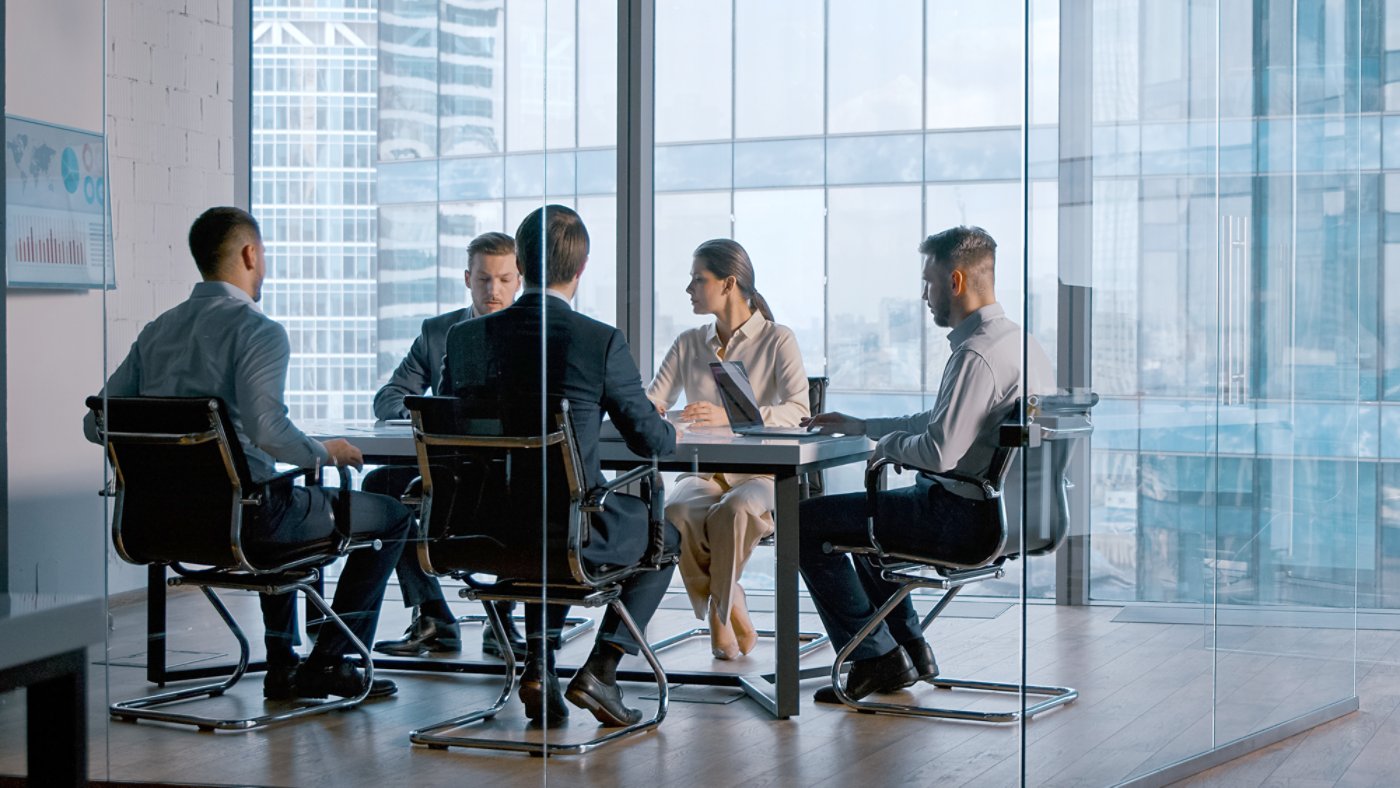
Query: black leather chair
[1046,443]
[183,496]
[814,483]
[484,523]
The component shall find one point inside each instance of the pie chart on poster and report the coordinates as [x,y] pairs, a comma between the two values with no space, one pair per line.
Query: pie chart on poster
[69,168]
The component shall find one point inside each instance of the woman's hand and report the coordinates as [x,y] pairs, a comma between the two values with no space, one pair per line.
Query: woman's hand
[705,414]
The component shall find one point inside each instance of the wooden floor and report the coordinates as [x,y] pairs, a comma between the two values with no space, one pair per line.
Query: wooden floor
[1146,701]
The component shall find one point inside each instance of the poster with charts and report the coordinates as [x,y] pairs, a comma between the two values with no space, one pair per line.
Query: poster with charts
[57,230]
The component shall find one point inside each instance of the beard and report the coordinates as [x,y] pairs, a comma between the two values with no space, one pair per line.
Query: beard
[942,309]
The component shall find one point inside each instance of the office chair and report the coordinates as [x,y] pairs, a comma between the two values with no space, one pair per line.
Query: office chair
[1055,428]
[183,497]
[483,518]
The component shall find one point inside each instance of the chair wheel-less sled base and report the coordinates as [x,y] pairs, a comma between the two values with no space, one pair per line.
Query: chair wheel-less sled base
[435,736]
[952,583]
[154,707]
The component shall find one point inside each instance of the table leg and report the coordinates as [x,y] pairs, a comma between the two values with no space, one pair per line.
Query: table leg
[57,732]
[785,611]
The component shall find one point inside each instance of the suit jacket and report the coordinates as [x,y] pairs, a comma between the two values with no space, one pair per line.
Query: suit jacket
[421,369]
[588,363]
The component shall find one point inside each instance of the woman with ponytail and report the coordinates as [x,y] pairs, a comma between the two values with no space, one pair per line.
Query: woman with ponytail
[722,516]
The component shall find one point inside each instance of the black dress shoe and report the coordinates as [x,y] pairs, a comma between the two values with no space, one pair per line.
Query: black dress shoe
[425,634]
[885,673]
[544,703]
[342,679]
[602,700]
[921,656]
[492,647]
[278,682]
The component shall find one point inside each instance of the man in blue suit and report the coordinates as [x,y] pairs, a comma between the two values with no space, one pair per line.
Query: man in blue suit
[587,363]
[493,279]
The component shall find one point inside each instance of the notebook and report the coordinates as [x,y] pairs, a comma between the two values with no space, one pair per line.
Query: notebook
[736,395]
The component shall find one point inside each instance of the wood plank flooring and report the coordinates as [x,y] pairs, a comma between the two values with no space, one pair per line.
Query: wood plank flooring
[1146,701]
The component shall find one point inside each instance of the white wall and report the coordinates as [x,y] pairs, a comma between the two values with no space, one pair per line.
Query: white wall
[169,120]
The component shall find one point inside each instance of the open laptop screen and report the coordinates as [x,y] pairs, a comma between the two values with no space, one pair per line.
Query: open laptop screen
[735,394]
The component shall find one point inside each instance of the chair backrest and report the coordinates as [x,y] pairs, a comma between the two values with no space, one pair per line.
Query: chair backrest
[181,480]
[501,496]
[1038,484]
[1028,473]
[814,483]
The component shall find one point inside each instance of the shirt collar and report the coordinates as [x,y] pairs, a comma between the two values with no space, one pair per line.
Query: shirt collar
[749,328]
[974,321]
[217,289]
[549,292]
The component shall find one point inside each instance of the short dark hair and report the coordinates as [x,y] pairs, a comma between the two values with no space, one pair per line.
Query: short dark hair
[969,248]
[567,246]
[490,243]
[212,232]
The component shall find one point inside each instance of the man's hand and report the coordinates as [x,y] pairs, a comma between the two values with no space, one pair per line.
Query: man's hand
[343,454]
[835,424]
[705,414]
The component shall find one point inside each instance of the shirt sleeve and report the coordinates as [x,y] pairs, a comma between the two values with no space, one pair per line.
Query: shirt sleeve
[412,377]
[260,383]
[124,382]
[789,384]
[965,398]
[666,386]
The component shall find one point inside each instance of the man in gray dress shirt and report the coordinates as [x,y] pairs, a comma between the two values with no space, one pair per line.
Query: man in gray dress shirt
[493,279]
[218,343]
[981,383]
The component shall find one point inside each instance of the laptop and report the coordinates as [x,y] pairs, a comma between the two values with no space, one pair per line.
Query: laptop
[736,395]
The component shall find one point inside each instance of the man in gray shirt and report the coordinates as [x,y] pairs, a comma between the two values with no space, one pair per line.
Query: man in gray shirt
[981,383]
[218,343]
[493,279]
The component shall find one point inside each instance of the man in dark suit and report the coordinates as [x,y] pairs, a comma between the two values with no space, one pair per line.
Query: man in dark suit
[587,363]
[493,279]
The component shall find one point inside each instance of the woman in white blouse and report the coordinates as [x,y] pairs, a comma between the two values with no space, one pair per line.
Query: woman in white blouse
[722,516]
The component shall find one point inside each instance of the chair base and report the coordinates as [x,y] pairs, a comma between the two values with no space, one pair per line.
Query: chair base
[435,736]
[151,707]
[811,641]
[951,585]
[1055,697]
[577,625]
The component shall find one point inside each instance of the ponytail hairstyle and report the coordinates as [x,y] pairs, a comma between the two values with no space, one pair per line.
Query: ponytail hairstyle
[725,258]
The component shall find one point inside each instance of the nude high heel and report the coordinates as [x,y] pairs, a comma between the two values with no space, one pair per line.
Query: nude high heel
[723,644]
[744,633]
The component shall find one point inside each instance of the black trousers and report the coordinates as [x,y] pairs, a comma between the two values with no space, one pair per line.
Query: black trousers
[298,515]
[641,594]
[417,586]
[924,519]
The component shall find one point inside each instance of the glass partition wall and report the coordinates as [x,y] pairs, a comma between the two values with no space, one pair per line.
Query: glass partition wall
[1190,205]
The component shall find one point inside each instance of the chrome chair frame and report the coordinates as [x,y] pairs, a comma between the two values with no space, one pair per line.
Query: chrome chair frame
[239,571]
[1053,420]
[588,589]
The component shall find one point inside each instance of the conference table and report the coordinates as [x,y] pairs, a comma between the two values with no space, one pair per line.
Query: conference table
[699,450]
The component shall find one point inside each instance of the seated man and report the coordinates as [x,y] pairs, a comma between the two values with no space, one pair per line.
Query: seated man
[493,280]
[588,363]
[219,344]
[981,383]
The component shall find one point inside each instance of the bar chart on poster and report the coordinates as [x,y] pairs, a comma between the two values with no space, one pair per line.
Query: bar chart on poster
[57,230]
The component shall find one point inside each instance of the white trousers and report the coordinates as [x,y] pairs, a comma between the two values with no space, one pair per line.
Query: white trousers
[719,525]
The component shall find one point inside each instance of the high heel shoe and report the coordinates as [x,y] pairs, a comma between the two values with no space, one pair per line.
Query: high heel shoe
[744,633]
[723,644]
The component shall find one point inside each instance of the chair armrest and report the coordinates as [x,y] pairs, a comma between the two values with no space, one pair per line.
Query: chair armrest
[653,492]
